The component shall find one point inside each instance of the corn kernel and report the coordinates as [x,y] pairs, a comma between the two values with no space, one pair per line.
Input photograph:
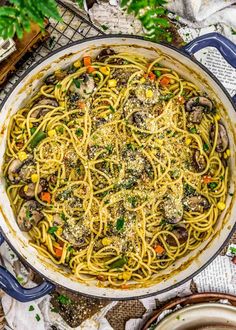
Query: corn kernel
[225,155]
[52,133]
[221,206]
[159,141]
[127,275]
[217,117]
[22,156]
[149,93]
[77,64]
[26,188]
[188,141]
[106,241]
[105,70]
[50,217]
[62,104]
[34,178]
[142,80]
[112,83]
[172,81]
[59,231]
[228,153]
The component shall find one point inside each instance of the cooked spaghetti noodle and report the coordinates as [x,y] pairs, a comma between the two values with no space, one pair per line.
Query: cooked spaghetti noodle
[116,168]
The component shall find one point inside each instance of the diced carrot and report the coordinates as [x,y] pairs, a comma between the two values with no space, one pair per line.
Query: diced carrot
[81,104]
[207,179]
[152,76]
[165,81]
[181,99]
[46,197]
[87,61]
[124,286]
[58,251]
[90,69]
[159,249]
[145,75]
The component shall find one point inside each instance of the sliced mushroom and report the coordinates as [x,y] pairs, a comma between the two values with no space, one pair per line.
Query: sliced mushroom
[57,220]
[28,191]
[196,115]
[51,79]
[222,141]
[29,215]
[173,209]
[181,234]
[199,161]
[196,203]
[86,87]
[104,53]
[196,101]
[17,169]
[141,94]
[37,113]
[138,118]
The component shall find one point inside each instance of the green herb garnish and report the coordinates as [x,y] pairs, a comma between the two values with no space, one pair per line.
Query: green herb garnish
[28,214]
[193,130]
[31,308]
[20,279]
[55,310]
[157,73]
[109,148]
[38,137]
[64,300]
[222,177]
[62,215]
[77,82]
[79,132]
[188,190]
[232,250]
[132,201]
[37,317]
[212,185]
[231,194]
[205,147]
[32,130]
[120,223]
[104,27]
[52,230]
[119,263]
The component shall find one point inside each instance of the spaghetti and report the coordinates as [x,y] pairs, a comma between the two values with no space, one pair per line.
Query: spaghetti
[116,168]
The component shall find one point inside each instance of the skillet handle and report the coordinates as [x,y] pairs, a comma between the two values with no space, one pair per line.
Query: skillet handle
[11,286]
[226,47]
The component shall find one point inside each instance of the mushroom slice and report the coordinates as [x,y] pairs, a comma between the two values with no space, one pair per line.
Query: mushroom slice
[14,169]
[28,191]
[104,53]
[37,113]
[196,203]
[181,234]
[29,215]
[51,79]
[196,101]
[85,88]
[222,141]
[17,169]
[196,115]
[199,160]
[138,118]
[57,220]
[173,209]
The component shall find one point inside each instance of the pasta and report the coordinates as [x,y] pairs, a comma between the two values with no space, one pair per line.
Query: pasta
[116,168]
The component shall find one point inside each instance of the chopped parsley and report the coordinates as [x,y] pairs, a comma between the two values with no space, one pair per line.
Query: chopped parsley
[28,214]
[120,223]
[231,194]
[163,222]
[212,185]
[107,202]
[130,146]
[193,130]
[31,308]
[119,263]
[157,73]
[222,177]
[233,31]
[188,190]
[104,27]
[79,132]
[132,201]
[62,215]
[77,82]
[52,230]
[64,300]
[232,250]
[37,317]
[55,310]
[205,147]
[109,148]
[32,130]
[112,109]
